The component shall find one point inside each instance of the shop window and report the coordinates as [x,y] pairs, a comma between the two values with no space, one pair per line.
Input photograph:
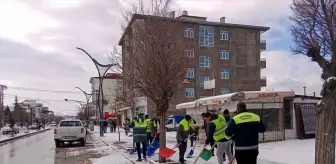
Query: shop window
[270,117]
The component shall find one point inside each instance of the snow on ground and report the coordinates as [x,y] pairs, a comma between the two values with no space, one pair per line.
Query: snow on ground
[282,152]
[21,130]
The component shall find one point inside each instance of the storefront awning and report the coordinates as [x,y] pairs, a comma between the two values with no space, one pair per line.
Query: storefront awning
[186,105]
[215,99]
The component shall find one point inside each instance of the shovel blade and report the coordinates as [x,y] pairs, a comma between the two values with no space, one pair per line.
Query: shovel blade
[166,152]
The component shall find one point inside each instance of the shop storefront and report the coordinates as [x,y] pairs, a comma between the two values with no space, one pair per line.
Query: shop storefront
[275,108]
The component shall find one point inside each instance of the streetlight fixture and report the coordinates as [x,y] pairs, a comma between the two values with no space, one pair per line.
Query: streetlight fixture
[102,70]
[87,97]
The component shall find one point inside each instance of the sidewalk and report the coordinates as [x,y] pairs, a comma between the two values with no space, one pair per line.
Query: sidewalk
[22,133]
[283,152]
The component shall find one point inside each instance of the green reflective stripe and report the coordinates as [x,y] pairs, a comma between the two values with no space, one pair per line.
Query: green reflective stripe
[246,117]
[185,125]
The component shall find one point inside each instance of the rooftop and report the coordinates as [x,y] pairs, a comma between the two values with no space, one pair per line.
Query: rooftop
[191,19]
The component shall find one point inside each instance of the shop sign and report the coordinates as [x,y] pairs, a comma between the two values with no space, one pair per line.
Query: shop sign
[268,94]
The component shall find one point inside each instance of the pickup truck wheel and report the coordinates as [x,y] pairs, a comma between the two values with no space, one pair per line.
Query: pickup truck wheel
[58,144]
[82,142]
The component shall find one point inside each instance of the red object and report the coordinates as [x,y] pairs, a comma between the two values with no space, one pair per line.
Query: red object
[185,81]
[166,152]
[107,115]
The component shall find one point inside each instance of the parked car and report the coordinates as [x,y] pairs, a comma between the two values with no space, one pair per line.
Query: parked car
[53,123]
[8,130]
[34,126]
[69,131]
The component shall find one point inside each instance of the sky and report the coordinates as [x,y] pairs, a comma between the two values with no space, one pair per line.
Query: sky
[38,40]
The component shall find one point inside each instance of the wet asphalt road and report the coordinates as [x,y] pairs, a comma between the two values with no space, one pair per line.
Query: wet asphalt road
[40,149]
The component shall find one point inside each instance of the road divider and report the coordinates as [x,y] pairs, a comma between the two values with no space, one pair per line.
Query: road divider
[5,141]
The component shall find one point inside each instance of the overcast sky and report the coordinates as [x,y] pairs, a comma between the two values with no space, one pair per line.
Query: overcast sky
[38,40]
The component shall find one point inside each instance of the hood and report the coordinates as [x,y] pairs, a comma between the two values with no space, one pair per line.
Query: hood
[7,128]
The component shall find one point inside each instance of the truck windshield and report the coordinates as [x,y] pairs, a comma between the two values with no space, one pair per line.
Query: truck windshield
[70,123]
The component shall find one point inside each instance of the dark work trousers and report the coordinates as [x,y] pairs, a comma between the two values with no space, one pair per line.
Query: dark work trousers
[139,150]
[246,156]
[149,138]
[192,139]
[182,149]
[114,127]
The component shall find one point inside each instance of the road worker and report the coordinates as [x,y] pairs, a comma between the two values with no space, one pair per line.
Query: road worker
[182,134]
[245,127]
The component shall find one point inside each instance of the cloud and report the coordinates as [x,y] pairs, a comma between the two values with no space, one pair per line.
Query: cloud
[38,40]
[285,71]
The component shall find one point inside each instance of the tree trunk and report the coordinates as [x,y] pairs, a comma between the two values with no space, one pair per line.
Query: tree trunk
[325,125]
[162,133]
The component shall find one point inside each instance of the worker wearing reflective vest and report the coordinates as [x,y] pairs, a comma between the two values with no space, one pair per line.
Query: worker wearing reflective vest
[148,129]
[153,128]
[216,134]
[182,134]
[140,136]
[245,128]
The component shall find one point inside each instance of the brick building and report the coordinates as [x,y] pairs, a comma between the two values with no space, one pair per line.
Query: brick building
[227,53]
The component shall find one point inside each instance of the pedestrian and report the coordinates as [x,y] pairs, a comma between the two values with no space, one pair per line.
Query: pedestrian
[105,123]
[215,135]
[153,128]
[183,131]
[194,137]
[139,136]
[148,129]
[227,117]
[126,124]
[245,127]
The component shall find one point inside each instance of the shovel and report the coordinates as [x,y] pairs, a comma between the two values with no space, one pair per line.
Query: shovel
[153,147]
[191,153]
[205,154]
[167,152]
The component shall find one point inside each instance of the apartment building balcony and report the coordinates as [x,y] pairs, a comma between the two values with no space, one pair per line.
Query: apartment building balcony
[262,45]
[263,81]
[262,63]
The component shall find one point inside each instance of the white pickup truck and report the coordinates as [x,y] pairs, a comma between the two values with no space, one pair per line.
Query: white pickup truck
[69,131]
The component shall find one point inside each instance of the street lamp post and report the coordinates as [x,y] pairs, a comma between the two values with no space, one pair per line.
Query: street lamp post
[102,70]
[87,97]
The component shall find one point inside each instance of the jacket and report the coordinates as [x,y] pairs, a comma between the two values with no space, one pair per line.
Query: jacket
[139,130]
[183,132]
[245,127]
[210,133]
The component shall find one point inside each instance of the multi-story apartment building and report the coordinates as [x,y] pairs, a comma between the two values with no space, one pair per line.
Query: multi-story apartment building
[228,54]
[111,90]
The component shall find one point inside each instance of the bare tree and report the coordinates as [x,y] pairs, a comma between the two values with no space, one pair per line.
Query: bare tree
[314,32]
[153,58]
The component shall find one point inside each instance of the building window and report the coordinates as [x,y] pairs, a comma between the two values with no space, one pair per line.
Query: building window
[206,34]
[224,91]
[224,35]
[205,61]
[189,53]
[189,32]
[190,73]
[203,79]
[224,54]
[224,73]
[189,92]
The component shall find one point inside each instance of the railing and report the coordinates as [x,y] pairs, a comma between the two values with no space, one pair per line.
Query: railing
[262,41]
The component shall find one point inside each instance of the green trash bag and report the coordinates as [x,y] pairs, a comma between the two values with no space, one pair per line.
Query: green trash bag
[206,154]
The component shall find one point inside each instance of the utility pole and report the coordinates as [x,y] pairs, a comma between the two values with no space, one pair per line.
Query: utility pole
[304,90]
[2,116]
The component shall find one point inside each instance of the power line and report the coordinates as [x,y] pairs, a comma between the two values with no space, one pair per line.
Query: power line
[45,90]
[13,96]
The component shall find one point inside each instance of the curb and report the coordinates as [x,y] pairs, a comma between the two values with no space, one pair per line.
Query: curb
[3,142]
[116,149]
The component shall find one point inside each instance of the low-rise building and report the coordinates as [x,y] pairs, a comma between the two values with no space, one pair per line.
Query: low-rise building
[285,114]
